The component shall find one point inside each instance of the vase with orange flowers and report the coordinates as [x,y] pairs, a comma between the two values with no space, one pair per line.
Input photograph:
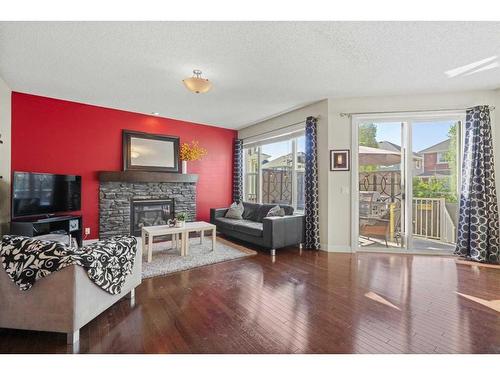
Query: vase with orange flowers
[191,152]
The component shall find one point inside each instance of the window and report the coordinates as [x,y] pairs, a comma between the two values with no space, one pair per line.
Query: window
[300,168]
[442,158]
[274,172]
[251,157]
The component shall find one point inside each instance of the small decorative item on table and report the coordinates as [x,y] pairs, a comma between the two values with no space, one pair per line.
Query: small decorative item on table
[191,152]
[180,219]
[339,160]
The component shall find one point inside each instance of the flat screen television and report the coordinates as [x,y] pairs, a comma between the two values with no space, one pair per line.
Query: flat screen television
[38,194]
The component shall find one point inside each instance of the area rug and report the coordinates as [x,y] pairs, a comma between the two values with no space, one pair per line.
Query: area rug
[167,260]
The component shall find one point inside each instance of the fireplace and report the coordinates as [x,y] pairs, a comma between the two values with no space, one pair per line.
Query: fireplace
[148,212]
[116,200]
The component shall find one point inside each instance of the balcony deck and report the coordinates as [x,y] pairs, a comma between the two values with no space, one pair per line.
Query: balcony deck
[418,244]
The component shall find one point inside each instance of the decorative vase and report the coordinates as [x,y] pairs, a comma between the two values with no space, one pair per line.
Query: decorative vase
[184,166]
[179,223]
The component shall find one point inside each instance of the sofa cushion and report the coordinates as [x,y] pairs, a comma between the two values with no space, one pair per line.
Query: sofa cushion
[235,211]
[288,209]
[257,212]
[276,211]
[249,227]
[250,211]
[265,208]
[225,222]
[252,228]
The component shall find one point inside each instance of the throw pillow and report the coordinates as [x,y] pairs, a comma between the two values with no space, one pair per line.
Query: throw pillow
[276,211]
[263,210]
[251,211]
[235,211]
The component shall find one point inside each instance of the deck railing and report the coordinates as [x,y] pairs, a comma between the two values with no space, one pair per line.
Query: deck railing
[432,220]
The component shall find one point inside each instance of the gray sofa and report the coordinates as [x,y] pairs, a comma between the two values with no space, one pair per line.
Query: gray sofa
[268,232]
[61,302]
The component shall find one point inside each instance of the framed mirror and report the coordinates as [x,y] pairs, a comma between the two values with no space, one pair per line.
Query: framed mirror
[150,152]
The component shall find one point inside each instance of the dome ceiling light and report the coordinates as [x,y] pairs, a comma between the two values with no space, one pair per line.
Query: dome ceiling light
[197,84]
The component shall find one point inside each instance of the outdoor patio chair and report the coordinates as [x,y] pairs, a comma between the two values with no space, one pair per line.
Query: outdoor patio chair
[380,227]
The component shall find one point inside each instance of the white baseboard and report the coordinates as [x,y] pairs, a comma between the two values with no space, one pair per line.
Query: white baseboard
[336,248]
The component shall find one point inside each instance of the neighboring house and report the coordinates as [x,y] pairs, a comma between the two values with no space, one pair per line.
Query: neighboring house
[435,163]
[285,161]
[252,160]
[418,159]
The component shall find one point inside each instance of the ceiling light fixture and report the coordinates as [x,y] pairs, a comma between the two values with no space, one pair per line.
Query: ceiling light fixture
[155,113]
[197,84]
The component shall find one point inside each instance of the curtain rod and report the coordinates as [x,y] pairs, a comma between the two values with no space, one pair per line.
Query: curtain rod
[347,114]
[281,127]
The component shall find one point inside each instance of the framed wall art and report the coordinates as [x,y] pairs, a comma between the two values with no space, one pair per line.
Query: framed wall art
[339,160]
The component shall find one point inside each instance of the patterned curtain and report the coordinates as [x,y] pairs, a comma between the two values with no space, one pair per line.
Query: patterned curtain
[478,231]
[311,186]
[238,171]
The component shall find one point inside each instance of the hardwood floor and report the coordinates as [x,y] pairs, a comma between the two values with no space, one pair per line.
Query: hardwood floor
[302,302]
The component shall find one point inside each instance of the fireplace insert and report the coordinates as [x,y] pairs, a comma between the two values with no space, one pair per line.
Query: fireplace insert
[148,212]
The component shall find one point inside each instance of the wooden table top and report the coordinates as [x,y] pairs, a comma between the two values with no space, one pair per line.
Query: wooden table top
[194,225]
[164,229]
[189,226]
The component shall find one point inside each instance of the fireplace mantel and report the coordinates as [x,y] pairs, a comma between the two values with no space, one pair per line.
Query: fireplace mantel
[143,176]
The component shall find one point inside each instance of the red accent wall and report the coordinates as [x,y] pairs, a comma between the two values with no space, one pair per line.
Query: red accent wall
[59,136]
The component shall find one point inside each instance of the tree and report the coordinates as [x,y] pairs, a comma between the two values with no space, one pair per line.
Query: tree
[432,188]
[367,136]
[451,158]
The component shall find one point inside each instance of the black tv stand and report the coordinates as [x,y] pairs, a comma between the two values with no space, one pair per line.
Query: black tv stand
[45,225]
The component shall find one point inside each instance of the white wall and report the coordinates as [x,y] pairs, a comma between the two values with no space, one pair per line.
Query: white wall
[5,120]
[334,132]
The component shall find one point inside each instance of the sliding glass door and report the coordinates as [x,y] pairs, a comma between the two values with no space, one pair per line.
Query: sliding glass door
[435,184]
[406,176]
[381,184]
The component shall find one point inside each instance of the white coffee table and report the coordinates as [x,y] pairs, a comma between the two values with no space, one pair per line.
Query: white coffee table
[182,233]
[149,233]
[198,226]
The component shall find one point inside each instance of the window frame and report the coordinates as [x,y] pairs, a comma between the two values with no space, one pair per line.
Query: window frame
[409,118]
[294,172]
[440,155]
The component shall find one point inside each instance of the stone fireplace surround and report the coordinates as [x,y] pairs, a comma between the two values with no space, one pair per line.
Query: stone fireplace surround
[115,197]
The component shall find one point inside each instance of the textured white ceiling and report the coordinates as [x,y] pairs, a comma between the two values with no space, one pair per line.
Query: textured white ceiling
[258,68]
